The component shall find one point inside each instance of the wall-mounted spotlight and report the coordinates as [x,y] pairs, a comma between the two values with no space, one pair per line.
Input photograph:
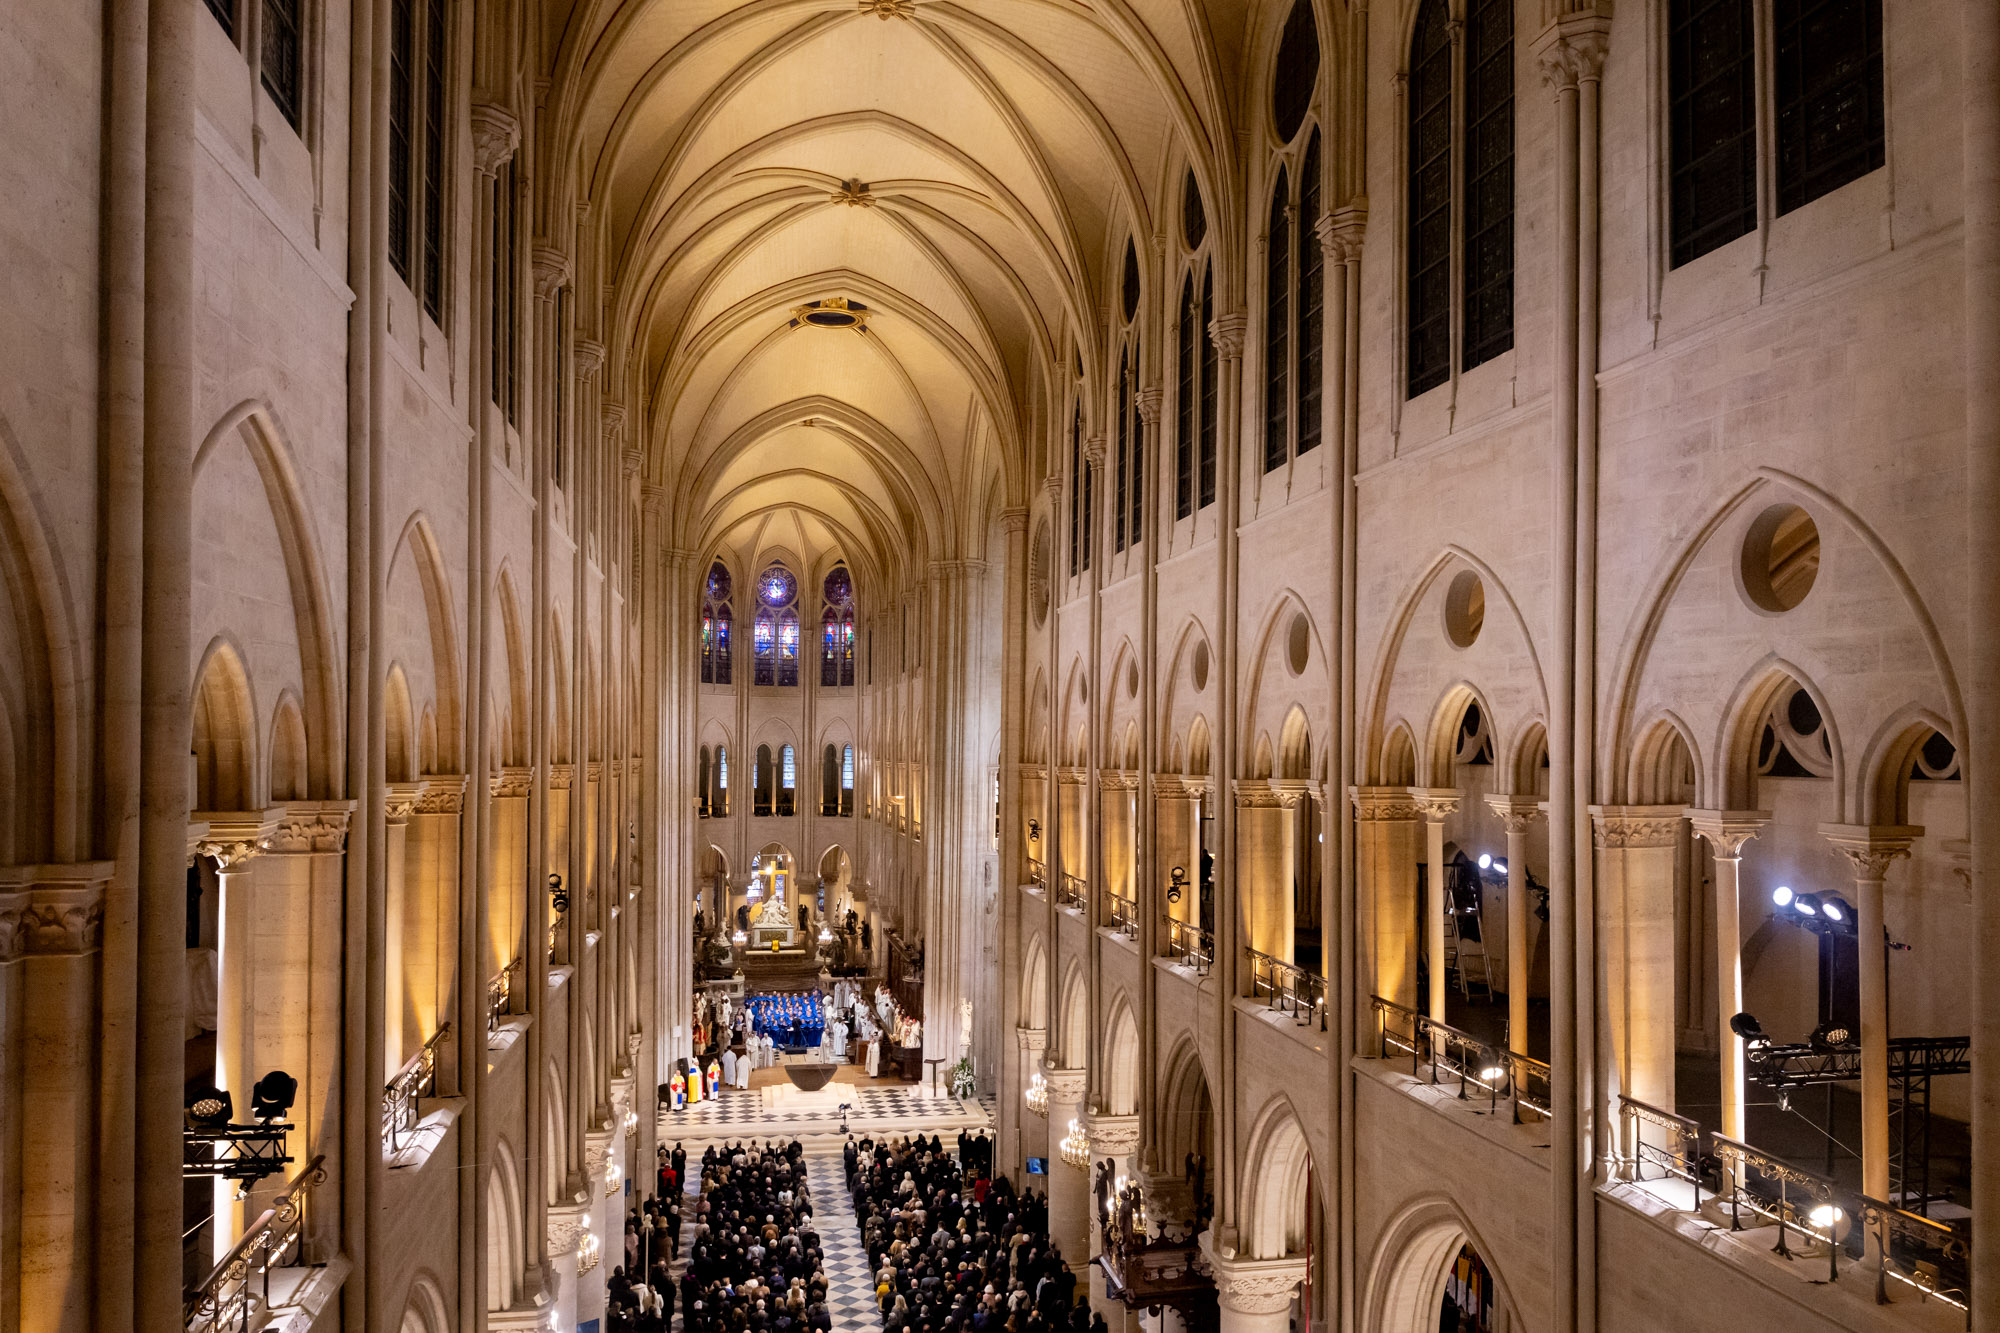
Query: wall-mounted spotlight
[1176,883]
[1783,895]
[1806,904]
[272,1097]
[210,1108]
[1486,860]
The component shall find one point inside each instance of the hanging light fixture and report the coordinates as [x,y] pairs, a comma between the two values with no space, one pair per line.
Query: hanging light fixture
[1076,1146]
[1038,1095]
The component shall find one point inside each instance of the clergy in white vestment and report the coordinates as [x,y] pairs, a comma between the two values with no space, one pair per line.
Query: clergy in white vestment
[729,1066]
[874,1059]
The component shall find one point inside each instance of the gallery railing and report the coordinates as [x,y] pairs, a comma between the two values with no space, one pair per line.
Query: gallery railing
[1072,891]
[1450,1054]
[1288,988]
[499,994]
[238,1289]
[1187,943]
[1672,1145]
[417,1079]
[1038,874]
[1121,913]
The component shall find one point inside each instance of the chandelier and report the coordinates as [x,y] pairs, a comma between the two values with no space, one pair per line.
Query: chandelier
[1038,1095]
[588,1250]
[1076,1146]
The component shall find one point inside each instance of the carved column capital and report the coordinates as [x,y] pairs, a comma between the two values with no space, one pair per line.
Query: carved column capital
[1436,804]
[1572,51]
[1149,402]
[1517,813]
[52,911]
[1871,847]
[1014,519]
[1111,1135]
[1032,1041]
[496,133]
[567,1223]
[1065,1085]
[589,357]
[551,270]
[1383,805]
[1618,827]
[511,782]
[400,799]
[234,836]
[1728,830]
[444,794]
[1252,1286]
[1227,331]
[1052,487]
[1094,451]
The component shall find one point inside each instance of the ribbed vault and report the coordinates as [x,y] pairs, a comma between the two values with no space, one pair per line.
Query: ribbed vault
[968,171]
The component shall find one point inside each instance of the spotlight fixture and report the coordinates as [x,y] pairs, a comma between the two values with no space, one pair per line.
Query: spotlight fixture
[1830,1036]
[210,1109]
[1747,1027]
[1486,860]
[1806,904]
[558,896]
[1500,866]
[1782,895]
[1176,883]
[273,1095]
[1836,908]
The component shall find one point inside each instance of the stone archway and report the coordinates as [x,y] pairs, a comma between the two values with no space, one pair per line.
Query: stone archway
[1406,1281]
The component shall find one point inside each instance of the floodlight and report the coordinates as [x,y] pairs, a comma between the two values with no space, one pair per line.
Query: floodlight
[1836,908]
[1806,904]
[1747,1027]
[1831,1035]
[273,1095]
[1500,867]
[209,1108]
[1486,860]
[1782,895]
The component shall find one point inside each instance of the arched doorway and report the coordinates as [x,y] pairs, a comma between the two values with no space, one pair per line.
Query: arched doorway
[1432,1275]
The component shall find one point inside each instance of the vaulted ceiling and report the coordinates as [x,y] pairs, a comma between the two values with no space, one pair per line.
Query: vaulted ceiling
[967,170]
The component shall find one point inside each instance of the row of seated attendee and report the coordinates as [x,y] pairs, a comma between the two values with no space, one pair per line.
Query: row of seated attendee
[952,1249]
[754,1262]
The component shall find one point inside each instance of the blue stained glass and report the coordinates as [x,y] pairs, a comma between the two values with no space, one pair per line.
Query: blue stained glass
[777,587]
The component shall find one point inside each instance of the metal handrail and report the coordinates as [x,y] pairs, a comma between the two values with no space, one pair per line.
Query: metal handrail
[1680,1157]
[499,994]
[416,1079]
[1451,1052]
[225,1298]
[1122,913]
[1072,891]
[1038,874]
[1190,944]
[1291,988]
[1920,1252]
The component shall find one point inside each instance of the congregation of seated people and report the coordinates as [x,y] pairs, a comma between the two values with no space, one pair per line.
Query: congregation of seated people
[754,1261]
[953,1249]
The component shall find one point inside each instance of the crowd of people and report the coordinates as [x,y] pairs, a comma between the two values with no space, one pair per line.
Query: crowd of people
[754,1262]
[640,1290]
[952,1248]
[796,1020]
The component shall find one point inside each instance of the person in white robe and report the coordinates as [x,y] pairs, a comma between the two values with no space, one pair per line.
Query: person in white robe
[874,1059]
[729,1066]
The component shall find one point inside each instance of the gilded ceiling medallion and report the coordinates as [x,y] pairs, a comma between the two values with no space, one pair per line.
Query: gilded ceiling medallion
[835,312]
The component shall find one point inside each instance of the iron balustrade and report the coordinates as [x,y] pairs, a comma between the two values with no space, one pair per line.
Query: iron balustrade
[1072,891]
[1679,1156]
[1038,874]
[1122,913]
[238,1289]
[1289,988]
[1916,1251]
[415,1080]
[1189,944]
[1452,1053]
[499,994]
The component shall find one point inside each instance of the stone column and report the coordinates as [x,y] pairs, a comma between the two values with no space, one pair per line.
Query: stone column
[51,931]
[299,994]
[1385,836]
[1871,849]
[1517,814]
[1635,940]
[1030,1044]
[1013,722]
[1227,331]
[1435,804]
[1174,833]
[233,841]
[397,1043]
[1255,1294]
[1726,832]
[1069,1189]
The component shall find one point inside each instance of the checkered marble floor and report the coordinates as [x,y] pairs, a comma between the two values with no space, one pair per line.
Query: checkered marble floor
[780,1110]
[850,1289]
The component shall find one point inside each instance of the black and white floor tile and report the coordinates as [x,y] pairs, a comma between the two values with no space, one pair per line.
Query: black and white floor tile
[850,1289]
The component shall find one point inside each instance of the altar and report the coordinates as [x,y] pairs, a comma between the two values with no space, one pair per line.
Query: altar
[771,923]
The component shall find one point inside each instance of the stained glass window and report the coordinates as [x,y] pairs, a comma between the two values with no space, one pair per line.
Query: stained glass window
[1489,181]
[788,781]
[764,644]
[715,626]
[1309,306]
[1296,72]
[402,112]
[1209,356]
[1712,100]
[777,587]
[788,648]
[1428,274]
[1186,338]
[1277,339]
[1829,86]
[1121,456]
